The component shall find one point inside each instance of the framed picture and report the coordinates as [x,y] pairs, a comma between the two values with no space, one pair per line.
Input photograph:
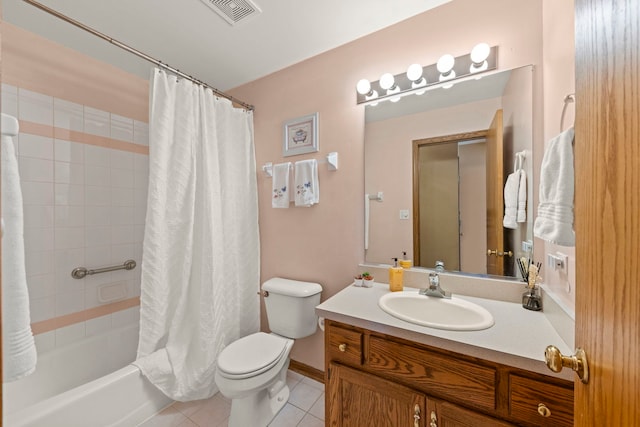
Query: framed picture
[300,135]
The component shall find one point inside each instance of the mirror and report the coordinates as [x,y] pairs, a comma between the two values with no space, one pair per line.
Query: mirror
[461,181]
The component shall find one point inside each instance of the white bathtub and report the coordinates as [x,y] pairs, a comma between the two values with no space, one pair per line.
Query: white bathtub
[89,382]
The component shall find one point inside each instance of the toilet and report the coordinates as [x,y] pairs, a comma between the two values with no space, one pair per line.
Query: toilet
[252,371]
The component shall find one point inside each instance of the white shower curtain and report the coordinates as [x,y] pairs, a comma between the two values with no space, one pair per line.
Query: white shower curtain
[200,264]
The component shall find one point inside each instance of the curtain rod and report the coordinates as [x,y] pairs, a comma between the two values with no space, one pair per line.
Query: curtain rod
[136,52]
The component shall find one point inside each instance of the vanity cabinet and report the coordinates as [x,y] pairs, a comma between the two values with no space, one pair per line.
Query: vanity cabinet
[380,380]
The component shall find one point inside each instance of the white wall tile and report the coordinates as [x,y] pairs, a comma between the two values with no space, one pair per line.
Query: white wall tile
[67,151]
[140,132]
[69,216]
[10,100]
[68,259]
[121,234]
[121,159]
[63,282]
[97,122]
[98,326]
[68,115]
[97,215]
[42,308]
[69,194]
[96,156]
[141,163]
[69,173]
[122,197]
[36,146]
[38,239]
[39,262]
[97,175]
[124,317]
[70,302]
[141,180]
[38,216]
[97,195]
[38,170]
[98,236]
[121,128]
[69,237]
[42,285]
[37,193]
[96,256]
[45,342]
[122,178]
[35,107]
[69,334]
[122,215]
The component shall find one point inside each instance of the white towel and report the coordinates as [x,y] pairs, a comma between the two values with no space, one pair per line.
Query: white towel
[280,197]
[306,179]
[19,351]
[554,222]
[522,197]
[511,200]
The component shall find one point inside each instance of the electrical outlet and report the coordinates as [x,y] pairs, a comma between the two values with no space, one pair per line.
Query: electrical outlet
[404,213]
[527,246]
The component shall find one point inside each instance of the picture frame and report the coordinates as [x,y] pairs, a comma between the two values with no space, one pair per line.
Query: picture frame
[300,135]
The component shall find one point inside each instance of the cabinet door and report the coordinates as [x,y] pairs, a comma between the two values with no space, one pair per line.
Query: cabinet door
[358,399]
[444,414]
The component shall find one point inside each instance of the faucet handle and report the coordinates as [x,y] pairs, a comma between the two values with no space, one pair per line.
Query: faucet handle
[434,279]
[439,265]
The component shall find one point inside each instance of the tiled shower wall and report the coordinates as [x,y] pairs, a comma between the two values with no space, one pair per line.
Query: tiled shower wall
[84,176]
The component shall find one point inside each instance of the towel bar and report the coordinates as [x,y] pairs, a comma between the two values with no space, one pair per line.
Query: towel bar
[81,272]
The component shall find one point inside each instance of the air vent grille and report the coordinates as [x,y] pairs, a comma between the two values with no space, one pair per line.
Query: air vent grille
[233,11]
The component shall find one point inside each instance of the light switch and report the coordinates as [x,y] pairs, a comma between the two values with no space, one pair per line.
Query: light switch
[404,213]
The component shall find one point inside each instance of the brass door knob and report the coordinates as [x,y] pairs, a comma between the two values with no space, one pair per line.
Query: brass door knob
[555,361]
[499,253]
[342,347]
[543,410]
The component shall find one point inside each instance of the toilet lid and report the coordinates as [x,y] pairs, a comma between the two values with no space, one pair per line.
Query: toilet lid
[252,355]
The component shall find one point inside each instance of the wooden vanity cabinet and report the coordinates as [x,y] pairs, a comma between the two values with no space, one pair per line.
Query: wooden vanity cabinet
[376,380]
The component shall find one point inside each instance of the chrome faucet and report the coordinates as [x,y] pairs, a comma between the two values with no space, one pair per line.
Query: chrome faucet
[434,289]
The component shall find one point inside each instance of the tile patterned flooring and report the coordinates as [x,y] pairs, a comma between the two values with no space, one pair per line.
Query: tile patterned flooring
[305,408]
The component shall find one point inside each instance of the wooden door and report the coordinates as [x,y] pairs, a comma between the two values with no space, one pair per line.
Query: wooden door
[607,207]
[358,399]
[495,198]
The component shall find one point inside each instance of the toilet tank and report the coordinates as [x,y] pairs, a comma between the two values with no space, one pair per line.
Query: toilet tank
[291,306]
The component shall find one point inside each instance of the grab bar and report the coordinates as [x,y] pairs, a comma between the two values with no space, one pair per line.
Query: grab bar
[81,272]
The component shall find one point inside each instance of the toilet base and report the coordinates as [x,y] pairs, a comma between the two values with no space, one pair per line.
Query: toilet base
[259,409]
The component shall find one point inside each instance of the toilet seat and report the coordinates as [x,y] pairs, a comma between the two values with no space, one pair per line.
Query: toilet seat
[251,355]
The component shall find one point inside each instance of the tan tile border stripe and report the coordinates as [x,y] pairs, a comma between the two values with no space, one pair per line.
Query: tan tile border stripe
[82,316]
[80,137]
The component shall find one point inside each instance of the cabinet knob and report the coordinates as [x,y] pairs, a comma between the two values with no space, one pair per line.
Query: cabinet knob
[555,361]
[543,410]
[342,347]
[434,419]
[416,416]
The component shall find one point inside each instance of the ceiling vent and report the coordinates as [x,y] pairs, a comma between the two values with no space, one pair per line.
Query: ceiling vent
[233,11]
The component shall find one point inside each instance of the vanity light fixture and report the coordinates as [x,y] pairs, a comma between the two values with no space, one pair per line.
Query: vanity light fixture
[418,79]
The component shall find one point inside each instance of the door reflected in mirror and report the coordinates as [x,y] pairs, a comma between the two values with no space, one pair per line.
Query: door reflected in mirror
[437,156]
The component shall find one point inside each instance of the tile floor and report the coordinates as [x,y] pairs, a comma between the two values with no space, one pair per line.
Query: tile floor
[305,408]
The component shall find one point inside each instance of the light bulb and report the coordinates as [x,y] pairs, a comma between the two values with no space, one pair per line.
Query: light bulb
[480,53]
[414,72]
[445,63]
[387,81]
[363,87]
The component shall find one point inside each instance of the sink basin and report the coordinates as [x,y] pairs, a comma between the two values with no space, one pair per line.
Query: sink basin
[453,314]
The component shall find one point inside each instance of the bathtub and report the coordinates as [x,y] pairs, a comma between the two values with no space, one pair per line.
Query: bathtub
[63,391]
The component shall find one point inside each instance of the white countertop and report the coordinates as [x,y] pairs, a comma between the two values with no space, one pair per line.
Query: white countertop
[517,338]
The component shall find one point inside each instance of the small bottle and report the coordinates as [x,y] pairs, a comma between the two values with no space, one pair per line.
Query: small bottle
[404,262]
[395,276]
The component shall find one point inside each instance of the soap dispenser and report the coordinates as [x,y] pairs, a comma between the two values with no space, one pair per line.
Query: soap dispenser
[395,276]
[404,262]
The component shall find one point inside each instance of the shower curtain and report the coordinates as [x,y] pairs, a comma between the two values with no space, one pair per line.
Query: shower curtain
[200,263]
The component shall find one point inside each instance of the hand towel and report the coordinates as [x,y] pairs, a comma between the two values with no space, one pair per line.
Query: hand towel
[306,179]
[280,197]
[19,351]
[554,222]
[511,200]
[522,197]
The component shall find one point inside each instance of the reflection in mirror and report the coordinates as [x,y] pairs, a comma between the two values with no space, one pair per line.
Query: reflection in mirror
[451,148]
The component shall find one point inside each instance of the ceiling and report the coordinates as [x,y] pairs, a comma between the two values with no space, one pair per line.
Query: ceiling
[190,36]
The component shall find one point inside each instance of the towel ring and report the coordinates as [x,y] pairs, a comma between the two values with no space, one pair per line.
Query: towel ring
[569,99]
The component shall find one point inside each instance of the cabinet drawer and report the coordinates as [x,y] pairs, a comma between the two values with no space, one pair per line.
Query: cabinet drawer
[526,394]
[435,374]
[344,345]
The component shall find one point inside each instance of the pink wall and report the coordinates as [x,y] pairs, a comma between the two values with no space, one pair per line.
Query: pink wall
[325,243]
[559,80]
